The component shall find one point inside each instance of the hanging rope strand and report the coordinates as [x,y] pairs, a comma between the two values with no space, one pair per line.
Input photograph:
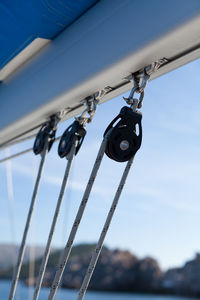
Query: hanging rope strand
[68,247]
[26,229]
[9,180]
[99,245]
[53,225]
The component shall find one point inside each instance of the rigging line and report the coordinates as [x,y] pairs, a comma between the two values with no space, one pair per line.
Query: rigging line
[11,205]
[27,225]
[65,225]
[10,197]
[69,244]
[21,134]
[16,155]
[31,271]
[53,225]
[32,257]
[18,141]
[22,152]
[99,245]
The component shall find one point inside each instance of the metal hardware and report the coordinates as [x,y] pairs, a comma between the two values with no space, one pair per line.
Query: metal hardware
[46,133]
[140,80]
[66,142]
[156,65]
[139,83]
[123,142]
[91,106]
[77,128]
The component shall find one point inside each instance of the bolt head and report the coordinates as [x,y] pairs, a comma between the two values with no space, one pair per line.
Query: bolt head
[124,145]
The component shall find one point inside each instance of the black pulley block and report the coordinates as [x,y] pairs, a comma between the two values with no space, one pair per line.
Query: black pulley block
[75,129]
[125,137]
[40,139]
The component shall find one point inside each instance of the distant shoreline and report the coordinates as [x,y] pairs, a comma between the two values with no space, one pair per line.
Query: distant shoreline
[117,271]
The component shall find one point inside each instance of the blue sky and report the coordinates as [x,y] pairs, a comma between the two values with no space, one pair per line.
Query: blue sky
[159,211]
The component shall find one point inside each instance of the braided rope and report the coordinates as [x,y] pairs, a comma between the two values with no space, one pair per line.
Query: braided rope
[106,226]
[67,250]
[27,225]
[53,225]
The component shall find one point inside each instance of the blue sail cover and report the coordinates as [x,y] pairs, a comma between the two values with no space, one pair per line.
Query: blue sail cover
[21,21]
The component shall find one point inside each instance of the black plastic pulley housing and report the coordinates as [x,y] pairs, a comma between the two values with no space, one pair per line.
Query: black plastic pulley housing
[66,141]
[124,138]
[46,132]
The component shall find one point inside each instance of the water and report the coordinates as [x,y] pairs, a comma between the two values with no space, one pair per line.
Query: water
[26,293]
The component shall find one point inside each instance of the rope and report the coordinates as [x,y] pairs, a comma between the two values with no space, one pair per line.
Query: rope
[99,245]
[11,206]
[22,152]
[31,272]
[14,139]
[18,141]
[32,249]
[65,226]
[23,243]
[16,155]
[10,200]
[53,225]
[68,247]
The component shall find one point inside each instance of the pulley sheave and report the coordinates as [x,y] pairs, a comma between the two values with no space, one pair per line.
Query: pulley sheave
[123,140]
[46,132]
[75,129]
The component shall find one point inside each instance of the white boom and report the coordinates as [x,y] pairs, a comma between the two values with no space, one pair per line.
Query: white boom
[101,49]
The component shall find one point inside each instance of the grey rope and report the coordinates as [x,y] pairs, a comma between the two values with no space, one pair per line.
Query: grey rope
[10,201]
[68,247]
[22,152]
[53,225]
[22,135]
[27,225]
[18,141]
[11,207]
[16,155]
[99,245]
